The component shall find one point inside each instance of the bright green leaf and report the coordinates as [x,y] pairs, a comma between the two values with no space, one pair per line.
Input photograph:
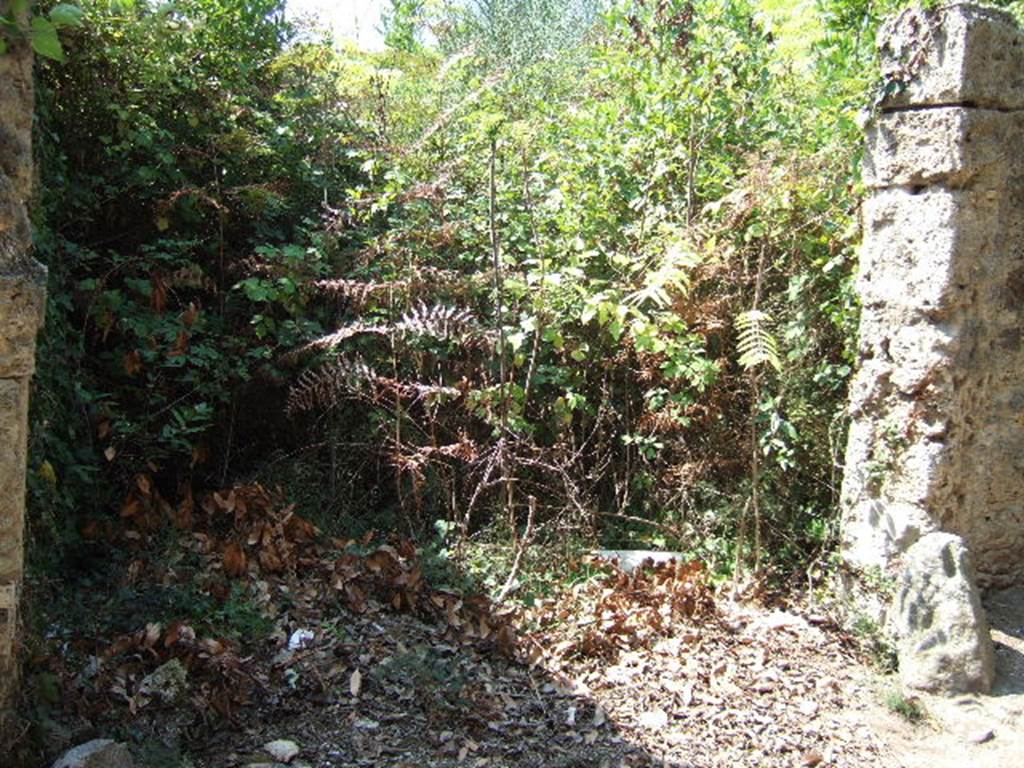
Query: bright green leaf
[44,39]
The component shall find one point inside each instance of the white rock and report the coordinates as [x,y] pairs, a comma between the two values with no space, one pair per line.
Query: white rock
[282,750]
[982,737]
[654,719]
[300,639]
[98,753]
[777,620]
[629,560]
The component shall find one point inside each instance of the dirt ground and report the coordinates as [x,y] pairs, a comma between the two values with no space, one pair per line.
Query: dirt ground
[748,688]
[976,731]
[754,687]
[368,666]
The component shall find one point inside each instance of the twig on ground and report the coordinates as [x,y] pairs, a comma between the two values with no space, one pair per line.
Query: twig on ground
[524,542]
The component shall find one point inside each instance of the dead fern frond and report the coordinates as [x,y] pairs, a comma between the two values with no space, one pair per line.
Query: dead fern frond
[416,391]
[357,291]
[446,323]
[464,450]
[422,280]
[661,423]
[190,276]
[332,340]
[165,205]
[432,190]
[439,322]
[323,388]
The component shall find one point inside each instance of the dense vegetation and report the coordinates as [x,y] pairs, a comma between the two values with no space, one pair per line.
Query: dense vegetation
[539,271]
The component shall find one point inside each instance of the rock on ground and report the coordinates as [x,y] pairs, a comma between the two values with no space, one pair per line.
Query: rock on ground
[942,632]
[167,683]
[282,750]
[98,753]
[630,559]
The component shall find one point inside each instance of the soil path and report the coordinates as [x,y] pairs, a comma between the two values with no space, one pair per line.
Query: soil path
[622,672]
[748,688]
[975,731]
[753,687]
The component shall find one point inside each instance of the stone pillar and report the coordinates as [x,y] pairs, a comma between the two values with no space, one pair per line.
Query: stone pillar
[22,292]
[937,435]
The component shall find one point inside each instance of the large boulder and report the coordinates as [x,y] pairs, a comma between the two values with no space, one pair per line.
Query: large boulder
[942,632]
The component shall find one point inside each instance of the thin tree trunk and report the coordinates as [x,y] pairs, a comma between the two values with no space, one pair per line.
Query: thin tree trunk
[499,315]
[755,454]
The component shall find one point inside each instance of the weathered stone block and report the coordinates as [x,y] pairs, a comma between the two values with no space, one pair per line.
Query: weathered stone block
[937,433]
[900,225]
[16,111]
[13,438]
[22,283]
[959,54]
[22,298]
[949,146]
[8,622]
[942,632]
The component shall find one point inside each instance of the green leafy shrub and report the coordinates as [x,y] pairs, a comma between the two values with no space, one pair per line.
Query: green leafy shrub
[186,152]
[555,270]
[597,218]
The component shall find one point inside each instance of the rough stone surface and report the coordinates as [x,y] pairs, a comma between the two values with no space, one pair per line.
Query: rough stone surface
[167,684]
[956,54]
[942,633]
[16,112]
[98,753]
[22,299]
[947,146]
[22,283]
[937,433]
[13,446]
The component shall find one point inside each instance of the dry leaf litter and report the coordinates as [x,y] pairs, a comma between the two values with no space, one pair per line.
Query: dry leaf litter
[369,665]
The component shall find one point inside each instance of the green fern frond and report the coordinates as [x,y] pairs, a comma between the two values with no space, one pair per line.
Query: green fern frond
[671,275]
[757,346]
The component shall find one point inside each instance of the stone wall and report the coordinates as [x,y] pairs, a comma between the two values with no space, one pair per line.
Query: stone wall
[937,405]
[22,284]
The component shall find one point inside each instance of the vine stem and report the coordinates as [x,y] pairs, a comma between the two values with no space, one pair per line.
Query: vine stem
[524,542]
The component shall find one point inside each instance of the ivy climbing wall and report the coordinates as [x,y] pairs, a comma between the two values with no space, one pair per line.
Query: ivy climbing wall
[22,285]
[937,406]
